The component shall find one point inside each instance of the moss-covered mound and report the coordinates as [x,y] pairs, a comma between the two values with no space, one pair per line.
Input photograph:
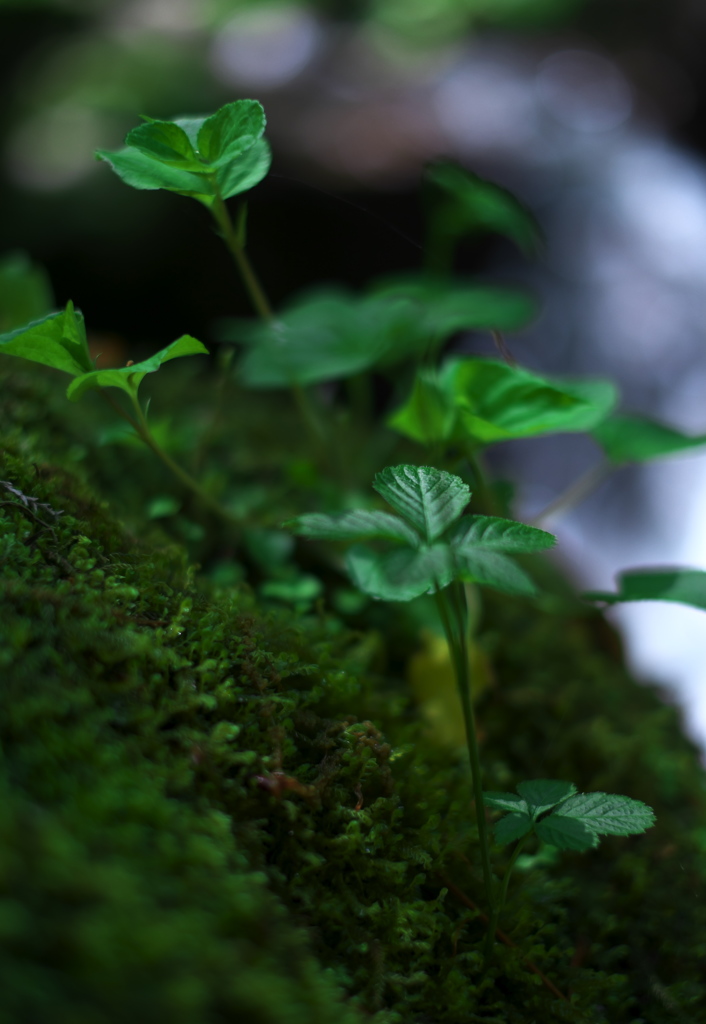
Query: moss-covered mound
[215,813]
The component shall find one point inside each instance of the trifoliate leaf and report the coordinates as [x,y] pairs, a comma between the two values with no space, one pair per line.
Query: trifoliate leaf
[399,575]
[430,499]
[683,586]
[511,827]
[361,524]
[128,378]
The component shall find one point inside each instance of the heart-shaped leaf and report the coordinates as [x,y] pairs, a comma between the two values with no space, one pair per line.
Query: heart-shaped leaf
[430,499]
[128,378]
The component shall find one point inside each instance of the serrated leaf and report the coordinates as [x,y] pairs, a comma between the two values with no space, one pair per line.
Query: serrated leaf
[506,802]
[361,524]
[164,142]
[399,575]
[143,172]
[606,813]
[512,827]
[232,130]
[128,378]
[430,499]
[682,586]
[566,833]
[245,171]
[492,569]
[543,794]
[495,534]
[639,439]
[57,340]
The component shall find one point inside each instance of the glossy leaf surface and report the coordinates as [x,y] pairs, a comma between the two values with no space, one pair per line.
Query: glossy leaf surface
[57,340]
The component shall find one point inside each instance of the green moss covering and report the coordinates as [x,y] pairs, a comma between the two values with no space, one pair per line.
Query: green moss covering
[215,812]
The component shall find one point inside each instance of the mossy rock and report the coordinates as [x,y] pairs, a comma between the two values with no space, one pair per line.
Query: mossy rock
[213,811]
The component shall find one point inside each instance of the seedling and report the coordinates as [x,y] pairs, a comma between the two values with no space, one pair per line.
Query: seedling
[439,550]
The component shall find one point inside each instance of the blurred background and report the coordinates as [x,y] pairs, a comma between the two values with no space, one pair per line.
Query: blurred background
[592,111]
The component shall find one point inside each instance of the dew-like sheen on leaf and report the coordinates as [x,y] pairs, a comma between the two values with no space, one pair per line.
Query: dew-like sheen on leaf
[430,499]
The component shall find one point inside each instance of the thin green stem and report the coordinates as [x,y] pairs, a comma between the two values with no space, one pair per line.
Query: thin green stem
[454,606]
[141,427]
[493,924]
[237,250]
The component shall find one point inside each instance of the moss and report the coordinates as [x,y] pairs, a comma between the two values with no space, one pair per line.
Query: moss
[218,812]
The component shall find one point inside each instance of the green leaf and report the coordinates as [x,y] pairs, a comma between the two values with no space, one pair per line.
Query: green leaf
[606,813]
[232,130]
[485,401]
[358,525]
[128,378]
[511,827]
[495,534]
[58,340]
[143,172]
[492,569]
[543,794]
[430,499]
[506,802]
[25,291]
[465,204]
[446,307]
[639,439]
[243,172]
[164,142]
[683,586]
[399,575]
[566,833]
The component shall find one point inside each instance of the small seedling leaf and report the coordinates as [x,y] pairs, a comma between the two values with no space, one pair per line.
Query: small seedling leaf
[358,525]
[128,378]
[506,802]
[143,172]
[399,575]
[682,586]
[491,533]
[57,340]
[639,439]
[231,131]
[511,827]
[430,499]
[246,171]
[566,833]
[166,143]
[543,794]
[606,813]
[492,569]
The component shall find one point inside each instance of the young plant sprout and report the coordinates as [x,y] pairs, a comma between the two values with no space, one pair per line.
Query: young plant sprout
[439,549]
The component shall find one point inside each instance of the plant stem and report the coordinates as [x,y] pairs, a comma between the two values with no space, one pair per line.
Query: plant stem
[237,250]
[493,924]
[141,428]
[454,607]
